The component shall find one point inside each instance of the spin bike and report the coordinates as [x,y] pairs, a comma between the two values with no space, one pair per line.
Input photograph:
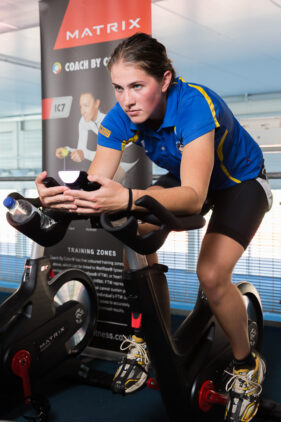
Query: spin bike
[189,365]
[49,319]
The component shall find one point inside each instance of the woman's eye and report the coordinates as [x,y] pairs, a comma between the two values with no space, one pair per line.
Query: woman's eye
[118,88]
[137,86]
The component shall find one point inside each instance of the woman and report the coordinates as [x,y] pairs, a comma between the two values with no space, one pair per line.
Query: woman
[189,130]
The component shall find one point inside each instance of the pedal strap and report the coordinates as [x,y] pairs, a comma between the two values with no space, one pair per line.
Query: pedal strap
[119,381]
[133,363]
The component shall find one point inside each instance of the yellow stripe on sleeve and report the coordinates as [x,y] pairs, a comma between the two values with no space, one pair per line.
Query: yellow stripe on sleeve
[133,139]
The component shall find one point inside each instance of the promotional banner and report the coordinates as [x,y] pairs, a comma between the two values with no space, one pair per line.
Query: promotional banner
[77,39]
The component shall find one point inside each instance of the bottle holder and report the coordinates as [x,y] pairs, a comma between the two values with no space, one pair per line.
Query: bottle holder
[31,227]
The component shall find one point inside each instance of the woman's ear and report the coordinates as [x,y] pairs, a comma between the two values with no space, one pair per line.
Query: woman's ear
[166,80]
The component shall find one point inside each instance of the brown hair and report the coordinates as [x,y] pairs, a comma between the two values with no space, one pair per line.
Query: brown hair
[146,52]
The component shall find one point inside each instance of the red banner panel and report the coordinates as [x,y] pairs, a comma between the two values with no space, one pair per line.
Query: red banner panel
[90,22]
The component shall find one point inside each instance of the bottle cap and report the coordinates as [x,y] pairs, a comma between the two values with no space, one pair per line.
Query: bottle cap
[9,202]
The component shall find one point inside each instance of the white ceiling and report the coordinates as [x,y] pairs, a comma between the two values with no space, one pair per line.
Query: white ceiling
[232,46]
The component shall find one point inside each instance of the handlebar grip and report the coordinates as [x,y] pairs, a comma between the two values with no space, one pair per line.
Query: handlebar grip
[89,186]
[158,210]
[166,217]
[81,182]
[127,233]
[149,243]
[50,182]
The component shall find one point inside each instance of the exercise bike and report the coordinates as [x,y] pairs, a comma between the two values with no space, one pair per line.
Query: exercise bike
[49,319]
[189,366]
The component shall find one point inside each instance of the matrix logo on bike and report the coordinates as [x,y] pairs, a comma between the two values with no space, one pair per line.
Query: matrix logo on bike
[87,22]
[50,339]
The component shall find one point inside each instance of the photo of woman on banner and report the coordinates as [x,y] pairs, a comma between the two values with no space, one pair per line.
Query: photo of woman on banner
[189,130]
[91,118]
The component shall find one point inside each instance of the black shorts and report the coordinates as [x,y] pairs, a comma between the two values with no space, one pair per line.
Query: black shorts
[236,211]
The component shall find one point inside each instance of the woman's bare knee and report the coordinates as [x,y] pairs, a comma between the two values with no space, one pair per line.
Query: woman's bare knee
[213,282]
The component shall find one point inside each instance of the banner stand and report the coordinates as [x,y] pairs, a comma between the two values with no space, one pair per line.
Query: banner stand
[77,38]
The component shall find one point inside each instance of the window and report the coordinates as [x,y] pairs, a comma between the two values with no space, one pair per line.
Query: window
[20,161]
[14,247]
[20,147]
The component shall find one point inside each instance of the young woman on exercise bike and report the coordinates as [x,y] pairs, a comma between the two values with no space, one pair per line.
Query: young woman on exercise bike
[212,162]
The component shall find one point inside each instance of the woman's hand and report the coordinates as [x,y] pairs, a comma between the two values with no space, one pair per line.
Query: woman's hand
[55,197]
[111,196]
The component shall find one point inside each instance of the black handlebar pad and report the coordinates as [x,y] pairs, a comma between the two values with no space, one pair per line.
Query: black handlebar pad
[172,221]
[81,182]
[50,182]
[127,233]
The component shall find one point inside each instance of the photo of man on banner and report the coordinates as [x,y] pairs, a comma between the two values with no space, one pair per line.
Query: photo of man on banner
[91,118]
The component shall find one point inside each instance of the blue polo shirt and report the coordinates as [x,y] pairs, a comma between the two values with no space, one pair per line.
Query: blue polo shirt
[191,111]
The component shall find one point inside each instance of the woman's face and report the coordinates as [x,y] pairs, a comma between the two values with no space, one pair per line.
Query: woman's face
[140,95]
[89,107]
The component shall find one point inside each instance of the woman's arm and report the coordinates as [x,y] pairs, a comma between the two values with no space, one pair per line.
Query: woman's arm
[106,162]
[196,169]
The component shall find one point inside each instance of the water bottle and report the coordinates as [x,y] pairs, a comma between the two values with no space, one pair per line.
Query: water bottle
[21,210]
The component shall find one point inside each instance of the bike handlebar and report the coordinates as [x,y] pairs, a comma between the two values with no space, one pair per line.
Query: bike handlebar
[157,215]
[121,225]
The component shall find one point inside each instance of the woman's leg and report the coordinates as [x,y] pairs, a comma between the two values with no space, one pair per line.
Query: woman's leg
[218,256]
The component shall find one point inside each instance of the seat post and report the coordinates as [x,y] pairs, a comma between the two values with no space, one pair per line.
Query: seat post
[37,251]
[135,260]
